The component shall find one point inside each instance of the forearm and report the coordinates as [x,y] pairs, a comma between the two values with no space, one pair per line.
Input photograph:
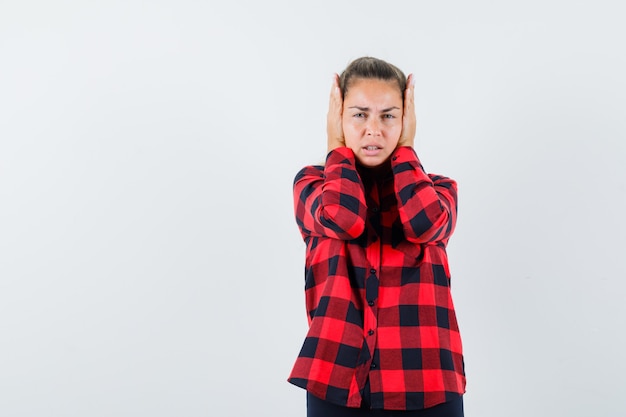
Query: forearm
[427,207]
[331,203]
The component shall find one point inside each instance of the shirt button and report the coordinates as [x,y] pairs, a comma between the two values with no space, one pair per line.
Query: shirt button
[373,365]
[375,209]
[372,271]
[370,303]
[371,332]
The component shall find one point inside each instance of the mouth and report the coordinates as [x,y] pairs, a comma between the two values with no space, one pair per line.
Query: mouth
[371,150]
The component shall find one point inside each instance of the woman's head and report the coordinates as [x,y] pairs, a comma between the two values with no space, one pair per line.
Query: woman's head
[373,107]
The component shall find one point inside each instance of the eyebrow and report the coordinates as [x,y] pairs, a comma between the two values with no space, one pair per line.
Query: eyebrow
[367,108]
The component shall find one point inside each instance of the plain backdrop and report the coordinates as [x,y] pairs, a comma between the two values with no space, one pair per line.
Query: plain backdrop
[150,264]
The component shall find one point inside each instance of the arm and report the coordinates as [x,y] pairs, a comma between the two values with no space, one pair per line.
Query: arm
[427,204]
[330,201]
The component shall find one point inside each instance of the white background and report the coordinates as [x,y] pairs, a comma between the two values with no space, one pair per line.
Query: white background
[150,264]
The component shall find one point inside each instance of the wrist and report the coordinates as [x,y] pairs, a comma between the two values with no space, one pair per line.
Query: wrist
[334,144]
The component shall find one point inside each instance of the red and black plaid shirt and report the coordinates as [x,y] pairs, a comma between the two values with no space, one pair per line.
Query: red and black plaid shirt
[377,284]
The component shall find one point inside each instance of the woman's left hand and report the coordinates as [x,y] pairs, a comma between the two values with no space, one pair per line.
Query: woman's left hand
[407,136]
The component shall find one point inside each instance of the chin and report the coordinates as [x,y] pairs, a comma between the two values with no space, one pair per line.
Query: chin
[369,163]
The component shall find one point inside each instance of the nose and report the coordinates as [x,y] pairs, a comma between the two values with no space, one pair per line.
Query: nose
[373,127]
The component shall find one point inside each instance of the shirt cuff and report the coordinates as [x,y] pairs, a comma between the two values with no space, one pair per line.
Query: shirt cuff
[405,154]
[340,155]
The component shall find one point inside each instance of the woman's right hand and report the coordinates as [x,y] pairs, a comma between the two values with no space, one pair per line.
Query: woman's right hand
[334,127]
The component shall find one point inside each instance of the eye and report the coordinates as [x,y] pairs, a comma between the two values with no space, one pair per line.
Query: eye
[388,116]
[359,115]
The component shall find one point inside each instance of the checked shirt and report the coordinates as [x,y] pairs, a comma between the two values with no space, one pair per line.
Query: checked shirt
[377,284]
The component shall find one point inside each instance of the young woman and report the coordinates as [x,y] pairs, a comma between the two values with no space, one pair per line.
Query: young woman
[383,337]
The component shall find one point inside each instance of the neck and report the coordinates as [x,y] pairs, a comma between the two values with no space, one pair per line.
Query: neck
[377,173]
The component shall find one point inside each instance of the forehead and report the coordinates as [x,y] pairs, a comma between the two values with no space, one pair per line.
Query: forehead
[373,89]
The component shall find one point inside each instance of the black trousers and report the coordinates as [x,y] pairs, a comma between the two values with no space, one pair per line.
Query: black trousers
[319,408]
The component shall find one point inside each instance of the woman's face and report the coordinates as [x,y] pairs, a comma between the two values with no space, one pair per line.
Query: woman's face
[372,119]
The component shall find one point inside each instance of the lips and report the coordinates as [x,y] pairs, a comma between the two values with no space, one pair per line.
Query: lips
[372,146]
[372,149]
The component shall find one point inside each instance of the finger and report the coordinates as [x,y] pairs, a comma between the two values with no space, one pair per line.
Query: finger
[336,102]
[409,93]
[408,119]
[335,90]
[409,100]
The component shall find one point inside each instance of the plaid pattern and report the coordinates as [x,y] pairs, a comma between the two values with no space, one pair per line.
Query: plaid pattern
[377,284]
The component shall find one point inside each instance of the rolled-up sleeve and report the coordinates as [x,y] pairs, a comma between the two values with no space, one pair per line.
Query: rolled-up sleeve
[427,204]
[329,200]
